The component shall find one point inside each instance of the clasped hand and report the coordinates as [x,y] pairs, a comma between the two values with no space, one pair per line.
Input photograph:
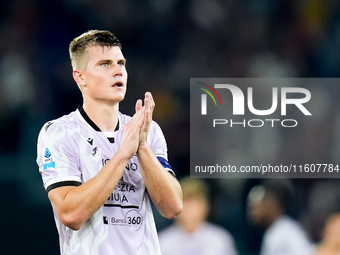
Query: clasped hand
[136,130]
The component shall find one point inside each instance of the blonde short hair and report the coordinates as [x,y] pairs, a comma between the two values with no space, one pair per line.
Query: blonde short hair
[194,188]
[79,45]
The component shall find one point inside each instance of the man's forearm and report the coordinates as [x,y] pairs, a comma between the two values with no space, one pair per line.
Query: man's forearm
[75,205]
[163,188]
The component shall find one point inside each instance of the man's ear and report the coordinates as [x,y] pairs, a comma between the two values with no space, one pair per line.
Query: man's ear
[79,77]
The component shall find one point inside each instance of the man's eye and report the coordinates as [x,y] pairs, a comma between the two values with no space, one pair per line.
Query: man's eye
[104,64]
[121,63]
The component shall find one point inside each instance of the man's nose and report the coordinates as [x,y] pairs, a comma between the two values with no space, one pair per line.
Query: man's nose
[117,71]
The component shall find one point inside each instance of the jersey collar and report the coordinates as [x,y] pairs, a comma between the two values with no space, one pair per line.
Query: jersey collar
[91,123]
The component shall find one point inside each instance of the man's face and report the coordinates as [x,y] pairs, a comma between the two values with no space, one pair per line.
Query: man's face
[105,76]
[257,212]
[195,210]
[259,206]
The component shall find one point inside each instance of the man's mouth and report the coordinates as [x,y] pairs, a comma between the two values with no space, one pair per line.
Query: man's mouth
[118,84]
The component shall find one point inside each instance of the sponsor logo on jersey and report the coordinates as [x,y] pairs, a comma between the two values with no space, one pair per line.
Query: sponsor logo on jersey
[133,219]
[129,166]
[47,153]
[48,125]
[48,160]
[94,151]
[90,140]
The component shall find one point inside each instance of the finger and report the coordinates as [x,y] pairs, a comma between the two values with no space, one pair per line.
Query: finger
[148,119]
[137,116]
[138,105]
[139,113]
[140,121]
[152,101]
[148,109]
[146,101]
[148,95]
[136,123]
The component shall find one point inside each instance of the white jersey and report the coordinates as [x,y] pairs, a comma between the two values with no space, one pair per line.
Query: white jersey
[286,237]
[207,239]
[71,151]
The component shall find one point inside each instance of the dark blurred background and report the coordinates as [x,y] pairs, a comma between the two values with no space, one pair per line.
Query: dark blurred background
[165,43]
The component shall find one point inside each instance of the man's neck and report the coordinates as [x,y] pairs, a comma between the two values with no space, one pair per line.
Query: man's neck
[104,115]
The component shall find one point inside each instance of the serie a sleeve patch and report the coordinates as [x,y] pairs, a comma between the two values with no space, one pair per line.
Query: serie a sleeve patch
[48,159]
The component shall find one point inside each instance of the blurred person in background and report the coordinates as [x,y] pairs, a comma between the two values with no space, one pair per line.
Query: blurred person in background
[192,234]
[101,167]
[330,244]
[268,205]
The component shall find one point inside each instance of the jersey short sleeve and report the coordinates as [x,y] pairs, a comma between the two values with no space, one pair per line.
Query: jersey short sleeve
[57,156]
[159,146]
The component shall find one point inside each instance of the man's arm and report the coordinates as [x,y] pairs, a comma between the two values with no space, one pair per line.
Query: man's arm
[163,188]
[75,205]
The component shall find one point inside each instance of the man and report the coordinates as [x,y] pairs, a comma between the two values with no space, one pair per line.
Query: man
[192,234]
[100,167]
[267,207]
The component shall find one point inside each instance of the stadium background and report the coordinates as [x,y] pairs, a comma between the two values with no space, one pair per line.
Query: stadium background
[165,43]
